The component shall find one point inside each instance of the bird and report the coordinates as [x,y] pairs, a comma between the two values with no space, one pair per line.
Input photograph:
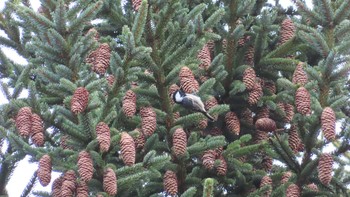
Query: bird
[191,101]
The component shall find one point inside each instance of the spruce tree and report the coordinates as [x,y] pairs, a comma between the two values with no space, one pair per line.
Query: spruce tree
[100,78]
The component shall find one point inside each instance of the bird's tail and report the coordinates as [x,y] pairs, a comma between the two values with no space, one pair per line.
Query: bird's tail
[208,116]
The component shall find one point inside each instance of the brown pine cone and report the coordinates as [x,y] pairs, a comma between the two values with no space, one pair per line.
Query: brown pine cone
[208,158]
[263,112]
[267,163]
[187,81]
[80,100]
[202,124]
[312,186]
[95,32]
[260,136]
[293,191]
[69,184]
[56,187]
[179,142]
[148,120]
[170,182]
[210,103]
[136,4]
[232,123]
[303,101]
[289,110]
[249,78]
[328,123]
[325,165]
[221,169]
[299,75]
[139,140]
[266,180]
[37,133]
[85,166]
[265,124]
[24,121]
[286,176]
[82,189]
[129,104]
[103,136]
[287,31]
[215,131]
[100,58]
[63,142]
[110,182]
[247,116]
[270,86]
[204,57]
[110,80]
[255,94]
[293,139]
[44,170]
[128,151]
[249,56]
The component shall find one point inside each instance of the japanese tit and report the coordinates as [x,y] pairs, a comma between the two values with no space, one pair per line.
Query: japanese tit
[190,101]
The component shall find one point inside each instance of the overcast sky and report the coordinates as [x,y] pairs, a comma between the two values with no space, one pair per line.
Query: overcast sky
[25,170]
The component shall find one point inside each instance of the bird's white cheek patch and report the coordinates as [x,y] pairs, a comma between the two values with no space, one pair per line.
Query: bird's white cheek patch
[178,97]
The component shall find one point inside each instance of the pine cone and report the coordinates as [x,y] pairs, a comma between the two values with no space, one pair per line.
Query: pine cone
[204,57]
[215,131]
[140,140]
[328,123]
[285,177]
[110,79]
[303,101]
[80,100]
[95,32]
[85,166]
[37,133]
[128,151]
[136,4]
[260,136]
[170,182]
[299,75]
[265,124]
[312,186]
[44,170]
[100,58]
[56,187]
[210,103]
[249,55]
[129,104]
[249,78]
[325,165]
[187,81]
[110,182]
[289,110]
[179,142]
[287,31]
[247,116]
[267,163]
[24,121]
[221,169]
[208,158]
[68,186]
[63,142]
[232,123]
[148,120]
[103,136]
[203,124]
[293,191]
[266,180]
[82,189]
[255,94]
[270,86]
[293,139]
[263,112]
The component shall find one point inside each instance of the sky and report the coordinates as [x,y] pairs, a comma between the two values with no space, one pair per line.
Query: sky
[25,170]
